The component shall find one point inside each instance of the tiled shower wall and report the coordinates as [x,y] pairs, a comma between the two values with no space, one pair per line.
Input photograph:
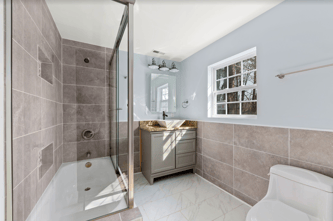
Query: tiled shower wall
[237,158]
[86,100]
[36,103]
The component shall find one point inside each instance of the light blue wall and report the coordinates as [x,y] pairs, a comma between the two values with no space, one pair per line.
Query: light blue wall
[142,86]
[290,36]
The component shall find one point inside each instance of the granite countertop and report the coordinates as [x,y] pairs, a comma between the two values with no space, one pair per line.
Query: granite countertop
[153,126]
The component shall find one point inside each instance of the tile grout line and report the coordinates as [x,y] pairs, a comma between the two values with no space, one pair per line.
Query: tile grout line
[312,163]
[252,174]
[36,96]
[78,85]
[233,160]
[217,160]
[257,125]
[28,134]
[288,146]
[286,157]
[84,48]
[75,65]
[41,31]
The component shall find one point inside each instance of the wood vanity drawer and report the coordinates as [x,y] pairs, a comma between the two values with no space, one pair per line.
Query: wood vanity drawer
[185,159]
[185,134]
[185,146]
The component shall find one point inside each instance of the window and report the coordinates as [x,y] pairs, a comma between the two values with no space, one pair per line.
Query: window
[163,98]
[232,86]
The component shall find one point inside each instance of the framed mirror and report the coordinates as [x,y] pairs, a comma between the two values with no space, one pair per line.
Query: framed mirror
[162,93]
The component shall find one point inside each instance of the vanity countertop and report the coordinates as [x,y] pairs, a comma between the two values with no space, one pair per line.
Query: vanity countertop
[153,126]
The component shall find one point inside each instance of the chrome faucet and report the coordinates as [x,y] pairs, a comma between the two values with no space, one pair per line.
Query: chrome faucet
[164,115]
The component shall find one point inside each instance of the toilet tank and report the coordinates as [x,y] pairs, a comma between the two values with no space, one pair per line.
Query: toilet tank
[302,189]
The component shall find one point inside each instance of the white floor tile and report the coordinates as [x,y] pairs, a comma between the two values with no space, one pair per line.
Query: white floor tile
[238,214]
[166,206]
[174,217]
[203,211]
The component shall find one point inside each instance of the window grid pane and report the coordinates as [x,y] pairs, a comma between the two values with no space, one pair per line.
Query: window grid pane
[240,102]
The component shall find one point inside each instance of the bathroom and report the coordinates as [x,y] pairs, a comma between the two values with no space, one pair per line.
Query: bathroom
[166,110]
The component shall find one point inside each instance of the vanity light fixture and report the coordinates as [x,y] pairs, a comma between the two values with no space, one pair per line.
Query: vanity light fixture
[173,67]
[153,64]
[163,66]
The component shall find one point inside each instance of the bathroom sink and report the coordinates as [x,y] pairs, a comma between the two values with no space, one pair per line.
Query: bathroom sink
[170,123]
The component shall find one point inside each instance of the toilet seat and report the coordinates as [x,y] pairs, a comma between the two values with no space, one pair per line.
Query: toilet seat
[273,210]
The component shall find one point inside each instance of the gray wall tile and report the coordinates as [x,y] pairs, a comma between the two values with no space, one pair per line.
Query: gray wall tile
[48,91]
[73,132]
[90,95]
[200,129]
[245,198]
[50,32]
[251,185]
[218,183]
[96,148]
[198,161]
[255,162]
[312,146]
[18,166]
[96,59]
[220,171]
[68,55]
[268,139]
[313,167]
[199,145]
[218,132]
[82,45]
[18,202]
[91,113]
[49,114]
[69,152]
[41,104]
[18,114]
[218,151]
[69,113]
[31,147]
[32,113]
[69,74]
[30,193]
[90,76]
[69,94]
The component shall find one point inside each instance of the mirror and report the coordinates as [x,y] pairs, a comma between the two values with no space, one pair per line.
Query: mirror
[162,93]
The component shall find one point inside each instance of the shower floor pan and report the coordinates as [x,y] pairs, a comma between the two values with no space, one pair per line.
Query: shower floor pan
[80,193]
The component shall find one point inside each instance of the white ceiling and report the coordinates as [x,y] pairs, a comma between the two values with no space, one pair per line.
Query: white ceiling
[179,28]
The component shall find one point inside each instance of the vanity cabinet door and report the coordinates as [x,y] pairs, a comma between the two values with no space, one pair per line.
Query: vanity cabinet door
[163,153]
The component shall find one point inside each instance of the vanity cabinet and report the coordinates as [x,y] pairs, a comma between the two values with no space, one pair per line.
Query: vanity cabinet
[167,152]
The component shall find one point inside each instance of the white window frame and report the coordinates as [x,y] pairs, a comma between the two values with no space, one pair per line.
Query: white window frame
[212,92]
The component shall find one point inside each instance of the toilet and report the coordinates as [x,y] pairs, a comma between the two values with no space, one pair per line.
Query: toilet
[295,194]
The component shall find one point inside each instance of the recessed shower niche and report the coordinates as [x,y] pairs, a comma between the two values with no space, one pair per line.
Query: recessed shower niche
[45,66]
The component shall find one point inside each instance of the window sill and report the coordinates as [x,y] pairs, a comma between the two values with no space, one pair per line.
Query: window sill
[235,117]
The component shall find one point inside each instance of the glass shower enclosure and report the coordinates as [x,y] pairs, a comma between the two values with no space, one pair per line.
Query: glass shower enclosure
[121,106]
[97,177]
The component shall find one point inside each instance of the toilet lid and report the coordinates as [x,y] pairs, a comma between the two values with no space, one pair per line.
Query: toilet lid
[272,210]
